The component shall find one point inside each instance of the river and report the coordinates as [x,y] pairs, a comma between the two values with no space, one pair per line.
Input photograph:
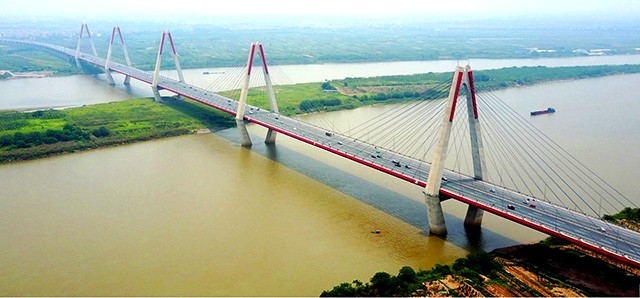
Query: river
[82,89]
[199,215]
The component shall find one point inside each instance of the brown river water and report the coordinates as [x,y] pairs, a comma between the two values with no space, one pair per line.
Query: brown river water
[200,215]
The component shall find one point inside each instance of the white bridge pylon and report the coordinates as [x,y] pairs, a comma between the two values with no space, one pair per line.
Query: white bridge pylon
[127,79]
[437,226]
[176,61]
[84,27]
[245,140]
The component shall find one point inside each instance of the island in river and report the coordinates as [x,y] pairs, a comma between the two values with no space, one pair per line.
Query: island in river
[29,135]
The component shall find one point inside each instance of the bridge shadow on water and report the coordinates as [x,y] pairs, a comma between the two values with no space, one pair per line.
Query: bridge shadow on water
[381,198]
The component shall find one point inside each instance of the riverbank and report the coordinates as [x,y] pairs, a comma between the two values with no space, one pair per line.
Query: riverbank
[42,133]
[550,268]
[351,93]
[31,135]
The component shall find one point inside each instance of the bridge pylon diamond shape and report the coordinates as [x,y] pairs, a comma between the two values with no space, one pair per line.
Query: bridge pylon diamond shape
[245,140]
[461,77]
[84,28]
[127,79]
[176,60]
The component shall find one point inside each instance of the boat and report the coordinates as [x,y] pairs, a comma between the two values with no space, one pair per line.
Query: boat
[540,112]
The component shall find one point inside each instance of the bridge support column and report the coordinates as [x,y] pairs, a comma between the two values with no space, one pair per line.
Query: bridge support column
[437,226]
[107,70]
[242,102]
[474,214]
[84,27]
[271,134]
[432,190]
[156,72]
[245,140]
[473,219]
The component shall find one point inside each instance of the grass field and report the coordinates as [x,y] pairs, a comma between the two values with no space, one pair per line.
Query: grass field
[355,92]
[43,133]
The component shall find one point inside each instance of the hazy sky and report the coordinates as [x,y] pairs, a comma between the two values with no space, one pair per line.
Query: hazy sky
[105,8]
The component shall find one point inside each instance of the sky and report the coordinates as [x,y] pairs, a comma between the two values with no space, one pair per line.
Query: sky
[371,8]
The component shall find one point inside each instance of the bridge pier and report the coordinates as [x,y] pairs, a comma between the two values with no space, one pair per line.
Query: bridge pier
[271,137]
[473,219]
[245,140]
[435,216]
[156,94]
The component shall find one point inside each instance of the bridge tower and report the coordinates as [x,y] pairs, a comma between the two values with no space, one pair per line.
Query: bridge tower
[176,61]
[245,140]
[461,77]
[84,27]
[127,79]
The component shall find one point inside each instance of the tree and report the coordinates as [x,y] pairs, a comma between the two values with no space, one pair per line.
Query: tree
[345,289]
[327,86]
[101,132]
[407,275]
[383,284]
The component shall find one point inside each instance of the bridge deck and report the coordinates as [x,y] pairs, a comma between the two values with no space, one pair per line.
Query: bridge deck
[584,230]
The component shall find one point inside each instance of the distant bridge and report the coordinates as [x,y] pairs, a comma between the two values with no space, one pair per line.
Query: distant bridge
[551,218]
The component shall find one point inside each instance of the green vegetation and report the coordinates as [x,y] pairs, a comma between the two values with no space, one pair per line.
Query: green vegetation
[355,92]
[628,217]
[526,270]
[298,98]
[491,79]
[628,213]
[43,133]
[408,281]
[202,43]
[558,260]
[224,43]
[25,59]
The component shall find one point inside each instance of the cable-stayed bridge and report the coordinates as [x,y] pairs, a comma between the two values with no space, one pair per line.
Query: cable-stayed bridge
[501,164]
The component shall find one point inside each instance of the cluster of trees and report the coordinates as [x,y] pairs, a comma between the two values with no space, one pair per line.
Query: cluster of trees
[491,79]
[628,213]
[408,281]
[517,76]
[327,86]
[429,94]
[101,132]
[69,132]
[318,104]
